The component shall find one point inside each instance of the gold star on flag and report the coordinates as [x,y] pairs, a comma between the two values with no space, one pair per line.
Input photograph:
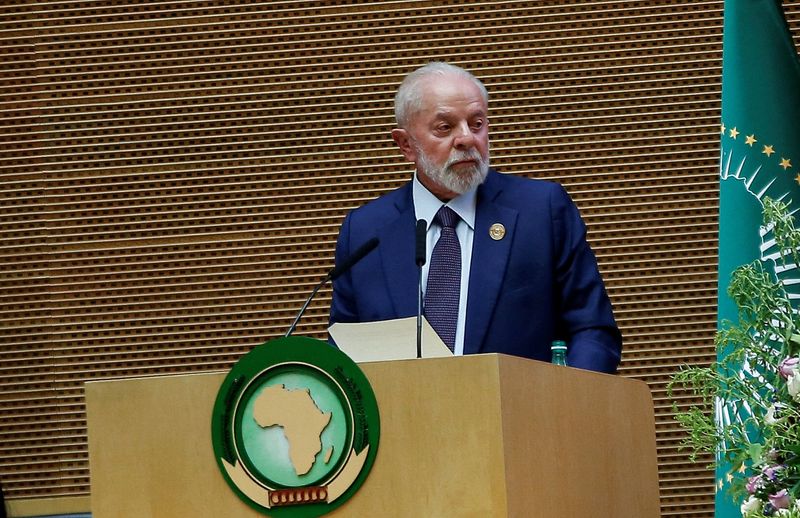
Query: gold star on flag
[750,140]
[722,129]
[768,150]
[786,163]
[729,477]
[797,178]
[742,468]
[720,484]
[734,133]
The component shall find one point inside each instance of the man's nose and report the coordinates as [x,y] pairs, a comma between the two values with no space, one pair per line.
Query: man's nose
[464,138]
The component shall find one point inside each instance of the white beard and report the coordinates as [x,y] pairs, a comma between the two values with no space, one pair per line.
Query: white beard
[457,182]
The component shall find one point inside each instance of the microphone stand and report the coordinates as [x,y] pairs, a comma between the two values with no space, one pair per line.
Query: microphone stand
[422,228]
[419,316]
[335,272]
[305,306]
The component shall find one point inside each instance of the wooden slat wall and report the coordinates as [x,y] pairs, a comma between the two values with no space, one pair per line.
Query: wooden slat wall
[173,174]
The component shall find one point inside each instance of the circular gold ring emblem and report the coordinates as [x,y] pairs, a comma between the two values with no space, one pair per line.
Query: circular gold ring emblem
[295,428]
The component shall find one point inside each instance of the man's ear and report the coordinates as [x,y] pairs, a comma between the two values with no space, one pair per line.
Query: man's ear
[403,141]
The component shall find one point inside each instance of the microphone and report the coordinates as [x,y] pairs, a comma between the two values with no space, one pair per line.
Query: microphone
[421,234]
[355,257]
[333,273]
[422,229]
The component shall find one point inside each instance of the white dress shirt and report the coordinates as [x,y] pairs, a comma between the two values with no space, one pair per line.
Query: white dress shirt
[426,205]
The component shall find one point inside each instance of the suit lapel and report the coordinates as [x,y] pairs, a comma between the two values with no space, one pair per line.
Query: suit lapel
[397,257]
[489,262]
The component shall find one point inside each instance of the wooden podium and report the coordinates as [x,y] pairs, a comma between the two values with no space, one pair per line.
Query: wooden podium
[472,436]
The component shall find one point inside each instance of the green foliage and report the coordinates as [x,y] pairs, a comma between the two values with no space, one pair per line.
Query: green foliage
[762,441]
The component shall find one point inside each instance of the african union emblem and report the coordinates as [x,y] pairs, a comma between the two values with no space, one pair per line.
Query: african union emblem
[295,428]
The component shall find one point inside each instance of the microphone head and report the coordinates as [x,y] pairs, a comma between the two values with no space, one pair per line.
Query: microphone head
[334,273]
[355,257]
[421,234]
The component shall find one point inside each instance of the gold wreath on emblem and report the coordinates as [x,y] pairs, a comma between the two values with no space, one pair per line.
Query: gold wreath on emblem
[262,495]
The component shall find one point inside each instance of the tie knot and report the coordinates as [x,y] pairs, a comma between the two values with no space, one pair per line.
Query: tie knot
[446,217]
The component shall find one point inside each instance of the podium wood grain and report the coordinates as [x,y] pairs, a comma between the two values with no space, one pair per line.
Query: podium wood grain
[473,436]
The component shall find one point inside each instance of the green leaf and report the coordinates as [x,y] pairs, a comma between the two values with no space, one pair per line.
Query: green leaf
[756,452]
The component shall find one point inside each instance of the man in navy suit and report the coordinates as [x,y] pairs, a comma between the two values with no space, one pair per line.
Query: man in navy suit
[527,275]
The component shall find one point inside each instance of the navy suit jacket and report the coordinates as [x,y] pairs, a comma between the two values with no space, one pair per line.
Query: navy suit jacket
[538,283]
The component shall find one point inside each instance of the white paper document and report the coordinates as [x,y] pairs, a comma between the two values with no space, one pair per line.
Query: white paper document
[387,340]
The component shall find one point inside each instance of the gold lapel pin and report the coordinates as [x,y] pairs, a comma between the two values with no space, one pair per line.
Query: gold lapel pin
[497,231]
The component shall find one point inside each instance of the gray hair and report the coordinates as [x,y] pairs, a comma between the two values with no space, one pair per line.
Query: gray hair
[408,99]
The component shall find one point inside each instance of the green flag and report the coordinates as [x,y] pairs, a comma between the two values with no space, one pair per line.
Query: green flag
[760,155]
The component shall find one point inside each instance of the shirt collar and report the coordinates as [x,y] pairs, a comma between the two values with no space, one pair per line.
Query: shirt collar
[426,205]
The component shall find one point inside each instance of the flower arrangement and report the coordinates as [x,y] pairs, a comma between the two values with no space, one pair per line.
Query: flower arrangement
[748,413]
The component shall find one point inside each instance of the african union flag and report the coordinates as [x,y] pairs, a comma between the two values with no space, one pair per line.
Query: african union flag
[760,155]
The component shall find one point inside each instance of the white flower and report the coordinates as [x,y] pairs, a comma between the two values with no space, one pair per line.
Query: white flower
[771,418]
[793,384]
[750,506]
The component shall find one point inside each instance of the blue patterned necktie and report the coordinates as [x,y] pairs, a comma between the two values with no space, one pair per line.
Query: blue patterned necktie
[442,292]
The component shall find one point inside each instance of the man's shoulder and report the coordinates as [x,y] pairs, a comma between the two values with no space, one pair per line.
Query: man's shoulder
[385,205]
[512,186]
